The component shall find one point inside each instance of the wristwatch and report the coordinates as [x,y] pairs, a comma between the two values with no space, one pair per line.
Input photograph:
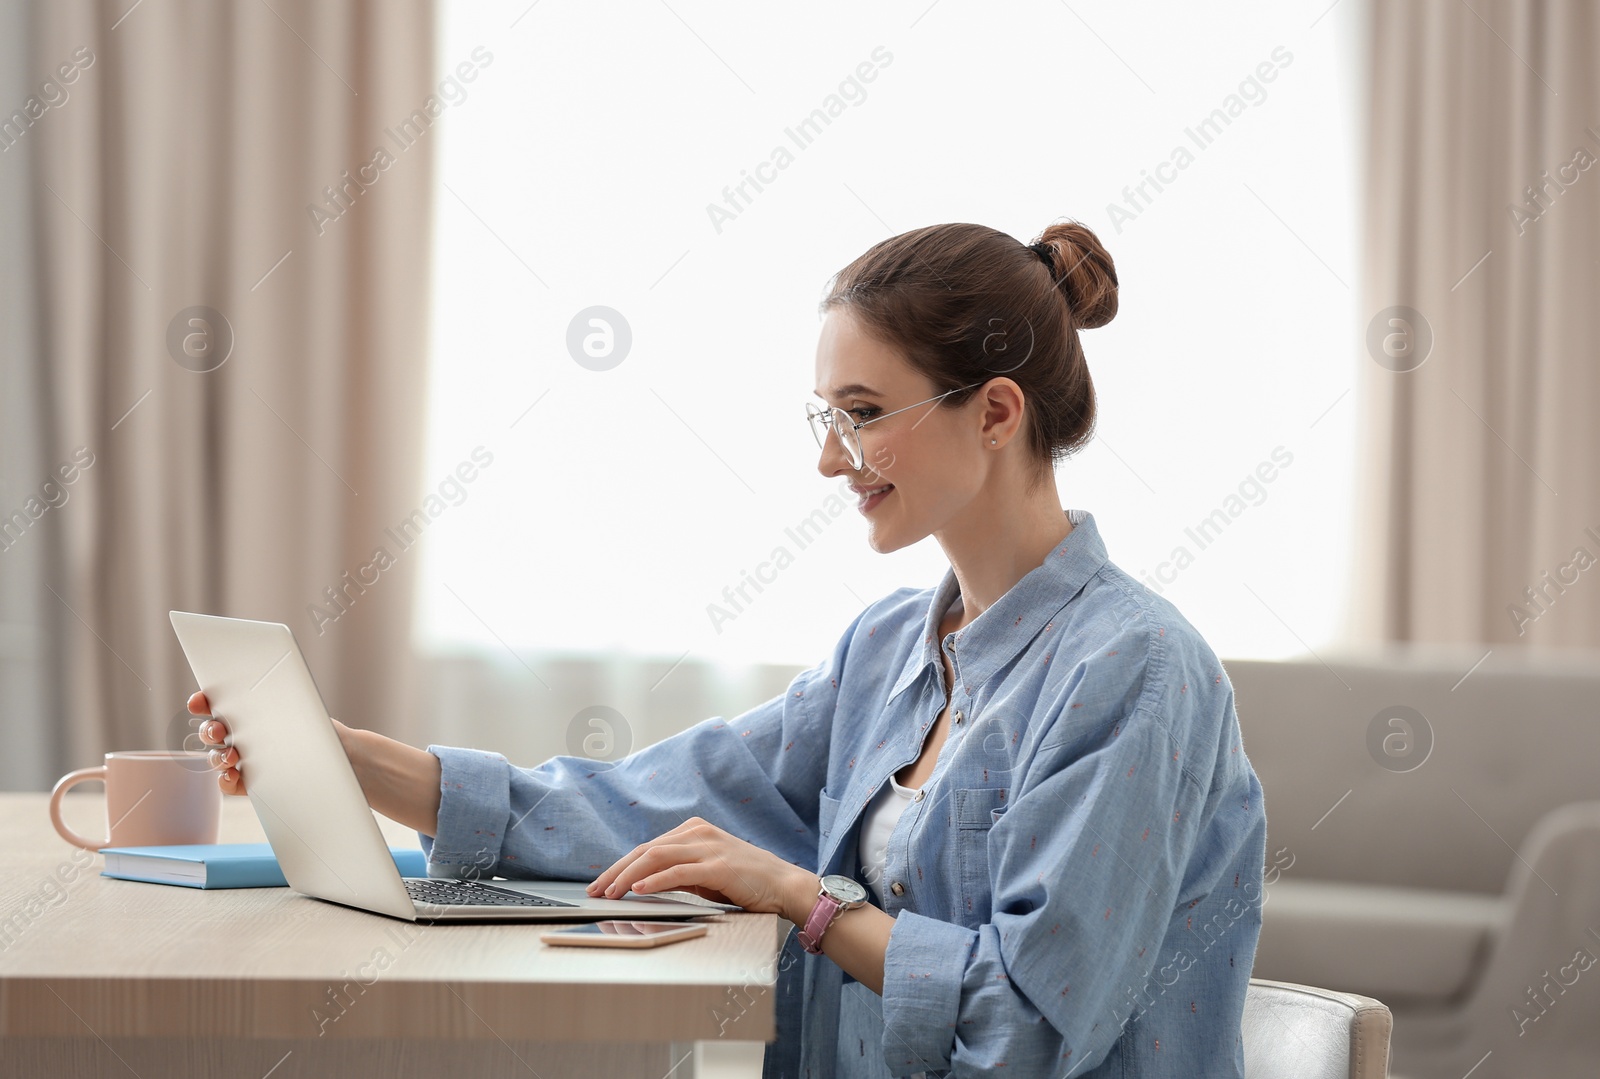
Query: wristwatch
[837,895]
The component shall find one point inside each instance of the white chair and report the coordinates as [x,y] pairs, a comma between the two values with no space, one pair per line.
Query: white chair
[1302,1032]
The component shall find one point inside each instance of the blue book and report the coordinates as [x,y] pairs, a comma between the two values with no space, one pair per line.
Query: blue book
[222,865]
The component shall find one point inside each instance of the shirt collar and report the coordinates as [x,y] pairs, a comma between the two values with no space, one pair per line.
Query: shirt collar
[995,637]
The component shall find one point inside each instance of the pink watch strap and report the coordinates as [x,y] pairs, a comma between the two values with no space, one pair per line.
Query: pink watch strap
[822,915]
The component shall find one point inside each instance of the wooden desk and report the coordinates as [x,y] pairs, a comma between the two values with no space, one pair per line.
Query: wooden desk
[111,977]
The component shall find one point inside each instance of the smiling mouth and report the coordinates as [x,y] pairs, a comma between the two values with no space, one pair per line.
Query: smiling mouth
[869,497]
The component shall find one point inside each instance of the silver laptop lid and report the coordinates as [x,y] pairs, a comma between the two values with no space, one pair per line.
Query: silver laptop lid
[298,778]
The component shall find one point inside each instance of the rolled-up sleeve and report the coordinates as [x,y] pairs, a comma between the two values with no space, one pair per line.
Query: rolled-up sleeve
[1087,864]
[479,784]
[756,775]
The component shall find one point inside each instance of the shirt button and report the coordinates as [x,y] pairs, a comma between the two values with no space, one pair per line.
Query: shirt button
[897,888]
[918,796]
[957,716]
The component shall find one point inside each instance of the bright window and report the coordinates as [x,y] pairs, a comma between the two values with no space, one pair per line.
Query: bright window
[623,506]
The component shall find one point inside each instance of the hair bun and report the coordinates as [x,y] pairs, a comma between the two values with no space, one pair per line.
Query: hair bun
[1084,272]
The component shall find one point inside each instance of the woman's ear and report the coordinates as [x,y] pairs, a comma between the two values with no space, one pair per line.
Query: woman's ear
[1003,405]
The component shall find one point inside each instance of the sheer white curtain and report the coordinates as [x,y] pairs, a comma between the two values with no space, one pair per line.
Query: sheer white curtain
[700,178]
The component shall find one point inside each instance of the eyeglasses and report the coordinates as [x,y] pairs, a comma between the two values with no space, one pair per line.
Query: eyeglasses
[838,420]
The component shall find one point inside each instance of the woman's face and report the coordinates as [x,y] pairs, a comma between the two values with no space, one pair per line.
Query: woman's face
[931,457]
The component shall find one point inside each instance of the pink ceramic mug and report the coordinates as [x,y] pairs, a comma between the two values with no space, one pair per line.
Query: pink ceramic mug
[154,797]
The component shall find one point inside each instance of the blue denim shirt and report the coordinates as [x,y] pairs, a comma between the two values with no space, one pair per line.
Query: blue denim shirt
[1077,893]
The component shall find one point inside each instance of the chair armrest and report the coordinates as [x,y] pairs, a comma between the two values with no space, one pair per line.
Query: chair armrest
[1552,935]
[1304,1032]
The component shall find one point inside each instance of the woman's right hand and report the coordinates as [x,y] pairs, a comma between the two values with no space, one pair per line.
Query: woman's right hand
[398,780]
[224,758]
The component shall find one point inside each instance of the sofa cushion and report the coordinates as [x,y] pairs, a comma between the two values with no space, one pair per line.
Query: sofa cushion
[1396,944]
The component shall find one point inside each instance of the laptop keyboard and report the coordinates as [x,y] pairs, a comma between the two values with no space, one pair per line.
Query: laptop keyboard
[471,893]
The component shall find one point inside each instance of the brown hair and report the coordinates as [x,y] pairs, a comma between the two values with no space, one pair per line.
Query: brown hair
[966,303]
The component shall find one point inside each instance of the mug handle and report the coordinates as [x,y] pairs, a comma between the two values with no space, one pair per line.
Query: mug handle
[64,784]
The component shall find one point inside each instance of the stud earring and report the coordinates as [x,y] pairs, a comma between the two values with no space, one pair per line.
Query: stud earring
[993,442]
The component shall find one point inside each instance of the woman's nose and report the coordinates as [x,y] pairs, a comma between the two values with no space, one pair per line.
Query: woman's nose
[833,459]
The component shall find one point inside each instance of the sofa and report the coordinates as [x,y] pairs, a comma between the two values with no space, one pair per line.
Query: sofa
[1433,833]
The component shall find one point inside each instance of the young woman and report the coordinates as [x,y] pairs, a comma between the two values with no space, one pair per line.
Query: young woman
[1010,814]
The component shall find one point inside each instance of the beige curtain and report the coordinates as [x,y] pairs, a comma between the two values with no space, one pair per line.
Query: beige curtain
[25,691]
[1481,515]
[204,170]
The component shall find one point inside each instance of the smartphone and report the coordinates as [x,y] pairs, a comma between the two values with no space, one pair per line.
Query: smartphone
[620,934]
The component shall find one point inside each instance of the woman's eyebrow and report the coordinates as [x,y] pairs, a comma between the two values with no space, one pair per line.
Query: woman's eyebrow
[855,389]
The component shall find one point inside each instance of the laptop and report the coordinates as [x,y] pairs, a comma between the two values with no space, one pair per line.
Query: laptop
[316,816]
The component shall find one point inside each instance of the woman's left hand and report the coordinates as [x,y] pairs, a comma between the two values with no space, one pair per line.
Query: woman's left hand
[701,858]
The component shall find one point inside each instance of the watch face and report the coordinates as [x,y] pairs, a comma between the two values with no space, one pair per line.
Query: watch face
[844,889]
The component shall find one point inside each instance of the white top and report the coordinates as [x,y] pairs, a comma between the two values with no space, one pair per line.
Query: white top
[877,824]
